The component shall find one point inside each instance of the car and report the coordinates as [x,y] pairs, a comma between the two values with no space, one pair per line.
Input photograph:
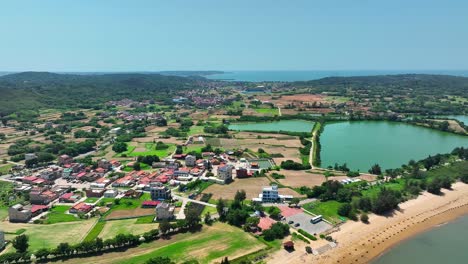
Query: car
[297,224]
[291,222]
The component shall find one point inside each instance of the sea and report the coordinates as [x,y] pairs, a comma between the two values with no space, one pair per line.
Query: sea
[290,76]
[445,244]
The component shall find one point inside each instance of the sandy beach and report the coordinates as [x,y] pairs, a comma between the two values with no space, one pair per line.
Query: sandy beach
[360,243]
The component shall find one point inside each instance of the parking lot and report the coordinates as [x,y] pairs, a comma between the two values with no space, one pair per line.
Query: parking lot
[77,185]
[304,223]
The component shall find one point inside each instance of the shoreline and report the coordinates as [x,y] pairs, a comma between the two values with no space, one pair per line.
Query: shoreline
[426,228]
[363,243]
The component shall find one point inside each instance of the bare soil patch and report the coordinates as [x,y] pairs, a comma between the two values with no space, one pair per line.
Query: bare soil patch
[118,214]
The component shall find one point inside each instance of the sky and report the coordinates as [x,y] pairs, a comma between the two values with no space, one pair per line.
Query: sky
[153,35]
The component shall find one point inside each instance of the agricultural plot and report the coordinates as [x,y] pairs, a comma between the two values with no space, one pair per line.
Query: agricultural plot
[127,226]
[297,179]
[49,236]
[58,214]
[136,149]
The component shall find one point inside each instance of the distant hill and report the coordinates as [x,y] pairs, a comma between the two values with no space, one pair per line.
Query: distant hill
[30,90]
[190,73]
[417,84]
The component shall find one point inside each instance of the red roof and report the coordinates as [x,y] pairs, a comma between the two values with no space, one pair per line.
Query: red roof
[82,207]
[66,196]
[265,223]
[150,203]
[36,208]
[30,178]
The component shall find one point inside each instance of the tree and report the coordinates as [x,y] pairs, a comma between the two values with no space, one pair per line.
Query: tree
[164,227]
[364,218]
[21,243]
[160,260]
[295,201]
[240,196]
[345,209]
[119,147]
[42,253]
[179,149]
[220,205]
[137,166]
[63,249]
[192,217]
[225,261]
[386,200]
[252,221]
[375,169]
[434,186]
[208,220]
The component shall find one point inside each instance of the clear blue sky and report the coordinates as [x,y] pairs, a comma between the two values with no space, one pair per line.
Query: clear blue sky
[137,35]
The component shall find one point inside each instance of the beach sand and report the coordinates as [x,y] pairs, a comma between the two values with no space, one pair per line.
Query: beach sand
[360,243]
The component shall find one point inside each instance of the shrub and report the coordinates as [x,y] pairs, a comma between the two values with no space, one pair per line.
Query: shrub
[306,234]
[364,218]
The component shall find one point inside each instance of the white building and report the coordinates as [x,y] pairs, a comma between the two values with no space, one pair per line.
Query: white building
[190,161]
[111,194]
[270,194]
[164,211]
[225,173]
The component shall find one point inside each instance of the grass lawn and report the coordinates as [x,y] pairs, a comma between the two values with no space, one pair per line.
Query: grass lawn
[454,171]
[150,150]
[49,236]
[196,130]
[58,215]
[91,200]
[269,111]
[207,246]
[372,192]
[194,147]
[129,203]
[145,220]
[3,213]
[94,233]
[127,226]
[209,209]
[328,210]
[4,169]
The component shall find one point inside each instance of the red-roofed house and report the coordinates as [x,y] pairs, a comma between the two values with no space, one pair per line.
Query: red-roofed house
[29,179]
[37,209]
[81,208]
[150,204]
[69,198]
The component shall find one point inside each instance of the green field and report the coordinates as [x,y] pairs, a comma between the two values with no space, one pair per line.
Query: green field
[269,111]
[150,150]
[95,231]
[91,200]
[4,169]
[196,130]
[207,246]
[127,226]
[58,215]
[130,203]
[372,192]
[3,213]
[194,147]
[328,209]
[145,219]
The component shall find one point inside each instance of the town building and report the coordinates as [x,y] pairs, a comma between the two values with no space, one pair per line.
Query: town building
[190,161]
[81,208]
[64,159]
[270,194]
[159,191]
[164,211]
[104,164]
[19,213]
[40,195]
[69,198]
[2,240]
[111,194]
[225,173]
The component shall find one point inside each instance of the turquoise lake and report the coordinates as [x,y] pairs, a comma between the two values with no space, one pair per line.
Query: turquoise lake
[283,125]
[361,144]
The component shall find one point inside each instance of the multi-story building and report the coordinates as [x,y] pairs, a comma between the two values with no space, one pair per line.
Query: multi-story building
[19,213]
[159,191]
[164,211]
[270,194]
[225,173]
[190,161]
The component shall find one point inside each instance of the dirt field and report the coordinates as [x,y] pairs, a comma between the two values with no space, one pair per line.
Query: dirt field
[117,214]
[301,178]
[252,187]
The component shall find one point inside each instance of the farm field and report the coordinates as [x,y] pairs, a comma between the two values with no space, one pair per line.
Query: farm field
[252,187]
[297,179]
[209,245]
[50,236]
[144,149]
[127,226]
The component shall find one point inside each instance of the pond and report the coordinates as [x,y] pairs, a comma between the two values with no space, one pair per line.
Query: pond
[283,125]
[363,143]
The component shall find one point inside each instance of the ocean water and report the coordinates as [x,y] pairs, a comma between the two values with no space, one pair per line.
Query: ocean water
[290,76]
[446,244]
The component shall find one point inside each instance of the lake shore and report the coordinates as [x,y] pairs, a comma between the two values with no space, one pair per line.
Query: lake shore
[362,243]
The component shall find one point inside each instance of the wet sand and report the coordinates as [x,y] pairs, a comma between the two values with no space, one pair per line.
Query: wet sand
[361,243]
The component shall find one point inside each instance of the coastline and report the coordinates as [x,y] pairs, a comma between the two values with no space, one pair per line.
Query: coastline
[363,243]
